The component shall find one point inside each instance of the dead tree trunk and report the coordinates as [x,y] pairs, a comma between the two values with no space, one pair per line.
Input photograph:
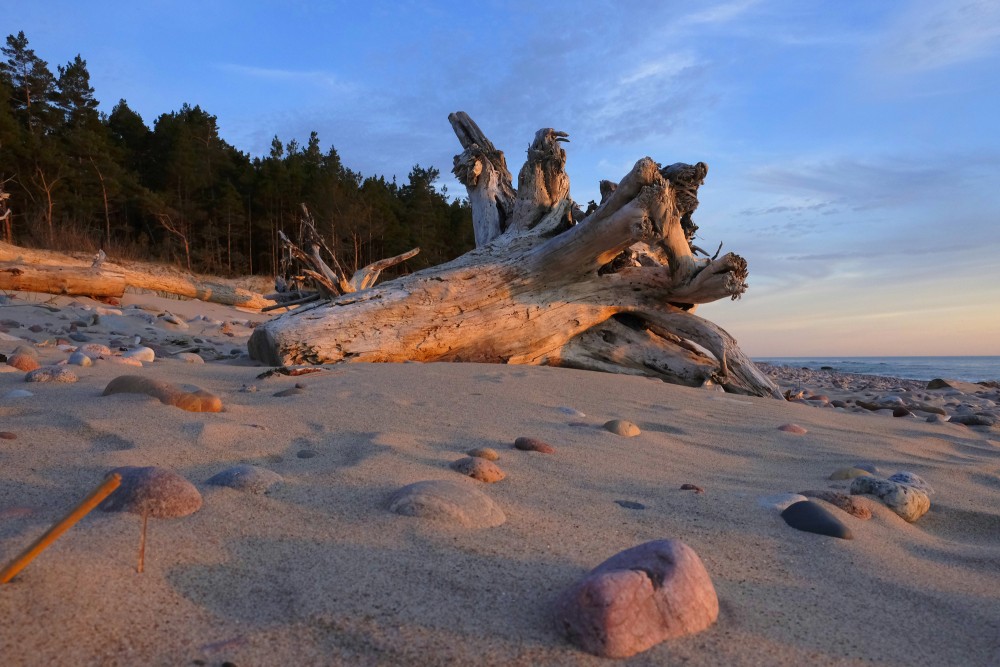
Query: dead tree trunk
[611,292]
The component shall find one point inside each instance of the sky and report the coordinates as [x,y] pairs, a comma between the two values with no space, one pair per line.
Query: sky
[853,147]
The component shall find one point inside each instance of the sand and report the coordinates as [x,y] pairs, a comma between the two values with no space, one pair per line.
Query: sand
[318,571]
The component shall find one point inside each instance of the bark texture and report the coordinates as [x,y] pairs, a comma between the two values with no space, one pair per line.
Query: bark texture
[613,291]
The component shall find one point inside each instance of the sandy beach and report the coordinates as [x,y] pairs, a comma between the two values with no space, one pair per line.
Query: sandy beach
[318,571]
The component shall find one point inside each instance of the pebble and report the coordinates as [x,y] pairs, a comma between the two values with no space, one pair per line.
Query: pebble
[189,358]
[533,445]
[638,598]
[692,487]
[906,501]
[95,350]
[23,362]
[913,480]
[198,400]
[449,501]
[780,501]
[479,469]
[244,477]
[853,505]
[793,428]
[7,435]
[848,473]
[140,353]
[156,492]
[57,374]
[80,359]
[484,453]
[814,518]
[623,428]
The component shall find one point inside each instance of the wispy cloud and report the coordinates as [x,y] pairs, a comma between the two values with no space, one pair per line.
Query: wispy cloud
[723,12]
[934,34]
[309,77]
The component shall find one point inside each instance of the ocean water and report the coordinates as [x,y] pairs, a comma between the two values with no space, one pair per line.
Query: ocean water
[970,369]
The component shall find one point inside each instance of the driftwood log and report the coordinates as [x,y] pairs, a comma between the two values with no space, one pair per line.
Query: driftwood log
[614,290]
[55,273]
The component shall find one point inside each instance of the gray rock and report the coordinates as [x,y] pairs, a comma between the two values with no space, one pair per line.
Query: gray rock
[58,374]
[913,480]
[812,517]
[156,492]
[638,598]
[908,502]
[448,501]
[977,419]
[246,477]
[78,358]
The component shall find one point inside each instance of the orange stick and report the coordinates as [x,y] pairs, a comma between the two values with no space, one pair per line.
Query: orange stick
[111,483]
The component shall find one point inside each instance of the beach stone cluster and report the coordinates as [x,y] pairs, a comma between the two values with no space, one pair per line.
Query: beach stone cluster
[909,500]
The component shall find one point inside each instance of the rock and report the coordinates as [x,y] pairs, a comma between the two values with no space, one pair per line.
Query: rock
[59,374]
[910,479]
[141,353]
[79,337]
[533,445]
[855,506]
[189,358]
[156,492]
[814,518]
[901,412]
[793,428]
[95,350]
[780,501]
[692,487]
[198,400]
[979,419]
[80,359]
[453,502]
[477,468]
[484,453]
[638,598]
[7,435]
[964,387]
[623,428]
[23,362]
[245,477]
[848,473]
[122,361]
[906,501]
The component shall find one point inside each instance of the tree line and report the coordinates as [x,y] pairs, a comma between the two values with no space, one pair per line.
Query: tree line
[73,178]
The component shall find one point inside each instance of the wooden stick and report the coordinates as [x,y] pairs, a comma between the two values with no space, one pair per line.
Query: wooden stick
[111,483]
[142,543]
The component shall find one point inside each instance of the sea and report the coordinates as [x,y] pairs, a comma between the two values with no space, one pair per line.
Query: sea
[970,369]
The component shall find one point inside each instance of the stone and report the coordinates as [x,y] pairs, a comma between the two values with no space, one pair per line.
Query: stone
[80,359]
[141,353]
[938,419]
[244,477]
[901,412]
[189,358]
[793,428]
[122,361]
[913,480]
[484,453]
[978,419]
[638,598]
[57,374]
[853,505]
[780,501]
[533,445]
[155,492]
[692,487]
[7,435]
[95,350]
[814,518]
[480,469]
[198,400]
[848,473]
[908,502]
[623,428]
[447,501]
[23,362]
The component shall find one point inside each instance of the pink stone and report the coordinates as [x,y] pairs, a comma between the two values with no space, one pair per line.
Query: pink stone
[638,598]
[792,428]
[533,445]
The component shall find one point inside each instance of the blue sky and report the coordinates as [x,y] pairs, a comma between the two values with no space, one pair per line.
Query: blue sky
[853,148]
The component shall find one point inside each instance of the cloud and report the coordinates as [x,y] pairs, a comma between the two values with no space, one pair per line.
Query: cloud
[720,13]
[934,34]
[318,78]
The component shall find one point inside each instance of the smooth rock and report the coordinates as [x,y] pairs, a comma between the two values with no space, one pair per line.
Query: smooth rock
[533,445]
[793,428]
[244,477]
[638,598]
[7,435]
[480,469]
[156,492]
[95,350]
[58,374]
[141,353]
[780,501]
[122,361]
[853,505]
[848,473]
[978,419]
[913,480]
[80,359]
[189,358]
[484,453]
[23,362]
[198,400]
[623,428]
[814,518]
[448,501]
[692,487]
[908,502]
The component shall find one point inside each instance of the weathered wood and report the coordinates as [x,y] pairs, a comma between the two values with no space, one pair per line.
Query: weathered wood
[612,292]
[61,280]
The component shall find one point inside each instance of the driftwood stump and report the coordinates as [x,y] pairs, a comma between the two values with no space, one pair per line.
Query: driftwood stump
[613,291]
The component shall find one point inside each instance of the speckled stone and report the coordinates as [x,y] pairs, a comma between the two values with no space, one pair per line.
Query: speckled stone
[447,501]
[533,445]
[57,374]
[854,505]
[156,492]
[623,428]
[913,480]
[244,477]
[95,350]
[908,502]
[484,453]
[812,517]
[23,362]
[479,469]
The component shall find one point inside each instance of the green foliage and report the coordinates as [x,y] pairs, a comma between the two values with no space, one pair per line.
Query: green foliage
[178,192]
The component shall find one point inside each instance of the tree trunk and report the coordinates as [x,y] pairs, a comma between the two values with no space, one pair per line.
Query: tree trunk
[612,292]
[55,273]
